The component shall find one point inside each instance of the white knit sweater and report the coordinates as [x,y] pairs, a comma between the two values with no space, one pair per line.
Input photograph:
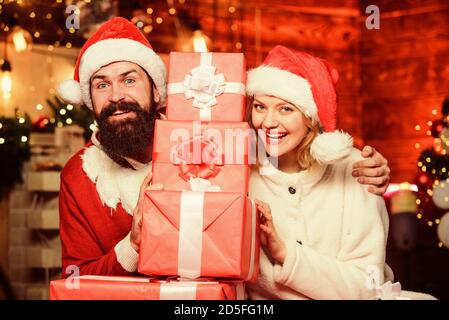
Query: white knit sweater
[334,230]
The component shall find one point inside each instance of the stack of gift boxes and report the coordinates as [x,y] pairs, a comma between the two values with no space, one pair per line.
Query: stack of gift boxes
[200,233]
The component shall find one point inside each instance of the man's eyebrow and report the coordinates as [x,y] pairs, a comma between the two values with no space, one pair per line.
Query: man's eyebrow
[98,76]
[124,74]
[102,77]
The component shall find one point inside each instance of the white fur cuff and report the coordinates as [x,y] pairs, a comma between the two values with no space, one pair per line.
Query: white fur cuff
[126,255]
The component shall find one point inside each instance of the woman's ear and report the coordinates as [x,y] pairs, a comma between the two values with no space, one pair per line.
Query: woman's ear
[156,95]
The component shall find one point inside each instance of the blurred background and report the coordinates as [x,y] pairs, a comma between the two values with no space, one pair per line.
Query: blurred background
[393,60]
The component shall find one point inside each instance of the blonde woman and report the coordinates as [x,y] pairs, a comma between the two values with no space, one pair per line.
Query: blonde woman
[323,234]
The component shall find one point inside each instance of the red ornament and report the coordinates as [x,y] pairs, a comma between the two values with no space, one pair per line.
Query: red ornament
[437,128]
[423,182]
[41,123]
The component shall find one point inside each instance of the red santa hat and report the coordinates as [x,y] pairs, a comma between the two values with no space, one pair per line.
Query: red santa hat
[116,40]
[308,83]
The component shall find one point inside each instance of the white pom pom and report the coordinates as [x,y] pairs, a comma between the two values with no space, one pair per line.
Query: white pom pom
[329,147]
[70,92]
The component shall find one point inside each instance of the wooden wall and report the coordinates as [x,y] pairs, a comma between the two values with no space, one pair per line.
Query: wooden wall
[390,79]
[405,75]
[327,28]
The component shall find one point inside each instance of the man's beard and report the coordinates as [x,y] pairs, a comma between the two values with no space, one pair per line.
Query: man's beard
[129,137]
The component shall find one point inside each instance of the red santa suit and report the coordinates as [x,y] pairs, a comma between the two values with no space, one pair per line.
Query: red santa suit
[96,203]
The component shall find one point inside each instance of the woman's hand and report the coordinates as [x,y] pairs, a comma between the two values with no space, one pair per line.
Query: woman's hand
[373,171]
[269,238]
[138,211]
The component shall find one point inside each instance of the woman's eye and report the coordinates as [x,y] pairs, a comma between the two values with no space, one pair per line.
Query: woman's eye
[129,81]
[259,107]
[286,109]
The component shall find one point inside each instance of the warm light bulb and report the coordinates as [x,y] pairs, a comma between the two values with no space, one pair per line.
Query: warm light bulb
[6,84]
[199,41]
[21,39]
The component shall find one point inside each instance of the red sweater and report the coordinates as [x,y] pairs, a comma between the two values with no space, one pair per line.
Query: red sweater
[89,228]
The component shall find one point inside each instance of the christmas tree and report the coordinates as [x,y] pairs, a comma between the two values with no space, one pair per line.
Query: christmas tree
[65,114]
[433,179]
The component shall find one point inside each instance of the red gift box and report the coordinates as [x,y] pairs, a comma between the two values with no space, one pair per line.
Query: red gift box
[133,288]
[217,152]
[206,86]
[100,288]
[199,234]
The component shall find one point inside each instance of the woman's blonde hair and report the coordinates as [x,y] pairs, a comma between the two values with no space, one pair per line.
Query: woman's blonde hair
[304,157]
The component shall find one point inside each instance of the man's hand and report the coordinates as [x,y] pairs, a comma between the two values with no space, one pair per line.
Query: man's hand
[269,238]
[373,171]
[137,213]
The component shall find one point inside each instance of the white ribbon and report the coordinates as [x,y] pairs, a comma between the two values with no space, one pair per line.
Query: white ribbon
[240,291]
[389,291]
[178,291]
[203,85]
[190,234]
[186,290]
[200,184]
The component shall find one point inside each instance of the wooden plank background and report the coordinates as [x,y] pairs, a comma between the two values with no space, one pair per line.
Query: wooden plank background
[405,75]
[390,79]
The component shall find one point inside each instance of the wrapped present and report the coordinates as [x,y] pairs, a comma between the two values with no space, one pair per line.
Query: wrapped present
[217,152]
[100,288]
[206,86]
[136,288]
[199,234]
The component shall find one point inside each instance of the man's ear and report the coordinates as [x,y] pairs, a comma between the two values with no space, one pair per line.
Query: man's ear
[156,95]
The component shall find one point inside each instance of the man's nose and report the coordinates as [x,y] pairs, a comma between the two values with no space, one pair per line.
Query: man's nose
[117,93]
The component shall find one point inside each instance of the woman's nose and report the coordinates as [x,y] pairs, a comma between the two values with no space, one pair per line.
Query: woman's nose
[270,120]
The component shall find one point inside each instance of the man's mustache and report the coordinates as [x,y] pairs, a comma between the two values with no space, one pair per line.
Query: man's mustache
[124,107]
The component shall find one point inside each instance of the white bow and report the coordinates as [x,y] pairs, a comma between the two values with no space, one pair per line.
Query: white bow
[203,85]
[200,184]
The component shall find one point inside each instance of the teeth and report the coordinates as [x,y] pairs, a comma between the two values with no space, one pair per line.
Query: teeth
[120,112]
[276,135]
